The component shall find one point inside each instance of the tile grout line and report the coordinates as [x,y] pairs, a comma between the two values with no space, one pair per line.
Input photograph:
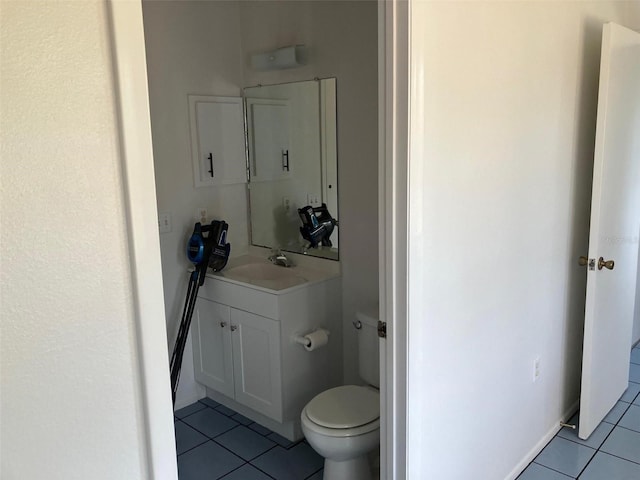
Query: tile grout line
[605,440]
[319,470]
[629,430]
[197,411]
[596,450]
[229,473]
[209,437]
[552,469]
[213,439]
[616,456]
[246,463]
[262,471]
[194,447]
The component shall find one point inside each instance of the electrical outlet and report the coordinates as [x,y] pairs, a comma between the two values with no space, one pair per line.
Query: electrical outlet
[536,369]
[201,215]
[164,222]
[286,204]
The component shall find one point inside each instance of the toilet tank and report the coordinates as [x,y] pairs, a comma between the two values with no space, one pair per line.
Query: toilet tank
[368,348]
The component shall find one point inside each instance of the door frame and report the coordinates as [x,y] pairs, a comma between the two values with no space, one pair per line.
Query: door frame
[136,153]
[393,141]
[130,79]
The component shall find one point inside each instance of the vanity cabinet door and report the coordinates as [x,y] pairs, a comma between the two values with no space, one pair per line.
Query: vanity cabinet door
[256,362]
[212,357]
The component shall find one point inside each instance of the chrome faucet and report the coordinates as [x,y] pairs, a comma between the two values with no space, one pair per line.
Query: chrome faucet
[280,259]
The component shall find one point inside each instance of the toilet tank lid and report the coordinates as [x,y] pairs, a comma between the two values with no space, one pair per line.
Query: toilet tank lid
[348,406]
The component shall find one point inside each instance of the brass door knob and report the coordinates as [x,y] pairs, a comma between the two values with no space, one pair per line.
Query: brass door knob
[609,264]
[583,261]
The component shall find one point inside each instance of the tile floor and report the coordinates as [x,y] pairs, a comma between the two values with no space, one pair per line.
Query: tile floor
[215,442]
[612,452]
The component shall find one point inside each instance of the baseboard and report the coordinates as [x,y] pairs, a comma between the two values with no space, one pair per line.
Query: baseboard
[533,453]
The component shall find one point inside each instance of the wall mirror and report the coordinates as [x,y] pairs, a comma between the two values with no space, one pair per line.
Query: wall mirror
[292,155]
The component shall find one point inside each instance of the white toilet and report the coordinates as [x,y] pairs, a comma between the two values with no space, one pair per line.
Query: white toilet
[343,424]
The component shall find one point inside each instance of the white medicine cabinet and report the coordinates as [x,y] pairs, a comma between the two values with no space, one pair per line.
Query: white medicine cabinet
[217,140]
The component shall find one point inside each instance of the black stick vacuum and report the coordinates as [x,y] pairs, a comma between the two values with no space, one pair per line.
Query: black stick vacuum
[317,225]
[206,248]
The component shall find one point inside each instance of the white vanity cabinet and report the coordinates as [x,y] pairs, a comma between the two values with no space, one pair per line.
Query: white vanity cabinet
[244,352]
[237,353]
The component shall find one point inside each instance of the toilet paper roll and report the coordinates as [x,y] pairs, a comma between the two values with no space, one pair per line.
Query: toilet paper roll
[316,340]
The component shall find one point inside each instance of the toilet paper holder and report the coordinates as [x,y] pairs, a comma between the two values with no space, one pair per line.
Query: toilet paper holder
[305,341]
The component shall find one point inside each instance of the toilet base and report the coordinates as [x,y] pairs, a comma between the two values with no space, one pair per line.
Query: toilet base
[353,469]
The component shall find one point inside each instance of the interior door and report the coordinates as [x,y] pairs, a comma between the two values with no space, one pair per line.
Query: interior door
[615,226]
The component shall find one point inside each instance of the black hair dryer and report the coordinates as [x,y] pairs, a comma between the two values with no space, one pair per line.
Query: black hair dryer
[317,225]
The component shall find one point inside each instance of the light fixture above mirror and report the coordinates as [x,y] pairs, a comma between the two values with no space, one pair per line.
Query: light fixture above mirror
[281,58]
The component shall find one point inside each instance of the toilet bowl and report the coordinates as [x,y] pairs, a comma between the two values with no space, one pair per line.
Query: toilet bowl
[343,424]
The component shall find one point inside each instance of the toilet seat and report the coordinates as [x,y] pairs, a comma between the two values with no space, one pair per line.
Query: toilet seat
[344,411]
[348,406]
[339,432]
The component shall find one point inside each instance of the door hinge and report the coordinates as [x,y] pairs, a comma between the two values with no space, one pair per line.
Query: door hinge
[382,329]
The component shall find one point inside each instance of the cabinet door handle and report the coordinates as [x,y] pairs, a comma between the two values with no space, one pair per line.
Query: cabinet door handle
[234,328]
[223,324]
[285,160]
[210,158]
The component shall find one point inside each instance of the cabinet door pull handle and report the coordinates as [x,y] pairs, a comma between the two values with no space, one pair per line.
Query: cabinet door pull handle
[210,158]
[234,328]
[285,160]
[223,324]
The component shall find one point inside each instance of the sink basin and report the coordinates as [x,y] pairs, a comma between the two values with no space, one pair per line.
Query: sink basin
[265,275]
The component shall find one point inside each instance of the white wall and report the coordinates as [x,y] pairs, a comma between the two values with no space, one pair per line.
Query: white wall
[503,105]
[71,407]
[342,40]
[193,47]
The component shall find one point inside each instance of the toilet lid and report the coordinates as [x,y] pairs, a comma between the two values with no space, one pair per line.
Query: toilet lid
[345,407]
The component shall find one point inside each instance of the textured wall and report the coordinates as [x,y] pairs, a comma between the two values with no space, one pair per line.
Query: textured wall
[70,404]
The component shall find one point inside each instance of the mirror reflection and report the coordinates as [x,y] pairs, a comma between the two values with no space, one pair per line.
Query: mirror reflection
[292,154]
